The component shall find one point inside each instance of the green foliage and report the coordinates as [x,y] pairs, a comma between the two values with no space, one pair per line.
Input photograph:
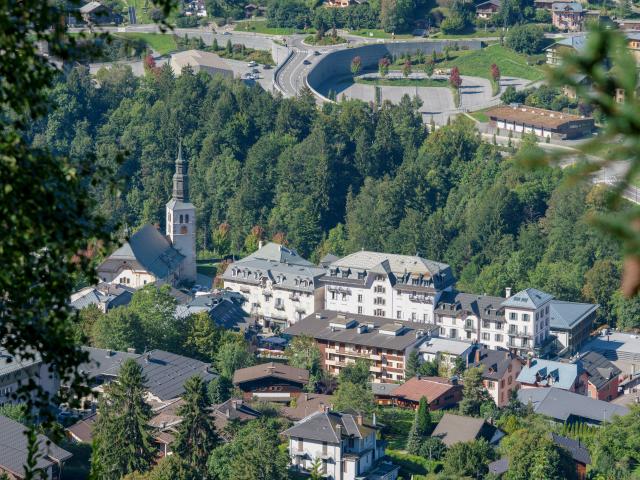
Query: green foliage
[352,396]
[15,411]
[421,427]
[303,352]
[219,390]
[468,458]
[413,363]
[527,39]
[196,435]
[428,369]
[122,440]
[616,449]
[231,356]
[473,392]
[356,373]
[253,453]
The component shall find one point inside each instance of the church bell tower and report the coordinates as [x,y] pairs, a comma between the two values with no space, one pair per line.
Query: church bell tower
[181,220]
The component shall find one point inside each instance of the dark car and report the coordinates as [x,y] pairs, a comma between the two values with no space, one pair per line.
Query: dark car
[307,62]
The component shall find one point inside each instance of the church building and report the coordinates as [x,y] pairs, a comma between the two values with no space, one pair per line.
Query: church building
[149,256]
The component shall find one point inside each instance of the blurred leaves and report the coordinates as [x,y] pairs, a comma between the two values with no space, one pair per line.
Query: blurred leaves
[612,74]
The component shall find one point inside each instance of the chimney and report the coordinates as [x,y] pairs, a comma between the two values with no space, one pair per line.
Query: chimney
[507,292]
[131,350]
[271,368]
[339,430]
[147,357]
[359,419]
[373,420]
[478,356]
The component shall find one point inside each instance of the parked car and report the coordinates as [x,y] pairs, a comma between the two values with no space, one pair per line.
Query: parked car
[316,53]
[252,64]
[226,33]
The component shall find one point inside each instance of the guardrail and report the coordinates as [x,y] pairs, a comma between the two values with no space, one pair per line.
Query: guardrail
[278,70]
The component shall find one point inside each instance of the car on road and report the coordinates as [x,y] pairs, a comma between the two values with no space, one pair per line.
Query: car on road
[255,70]
[266,66]
[306,62]
[226,33]
[316,53]
[252,64]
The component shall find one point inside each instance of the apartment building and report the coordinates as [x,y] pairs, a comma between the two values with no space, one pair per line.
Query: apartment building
[343,338]
[345,445]
[567,16]
[401,287]
[17,371]
[280,287]
[527,316]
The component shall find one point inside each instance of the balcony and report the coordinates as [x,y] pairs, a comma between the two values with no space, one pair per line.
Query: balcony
[353,353]
[294,297]
[470,328]
[267,294]
[421,299]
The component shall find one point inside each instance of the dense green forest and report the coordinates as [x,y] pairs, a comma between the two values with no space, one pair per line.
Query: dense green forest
[348,176]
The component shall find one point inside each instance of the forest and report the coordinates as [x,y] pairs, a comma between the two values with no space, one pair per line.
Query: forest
[335,179]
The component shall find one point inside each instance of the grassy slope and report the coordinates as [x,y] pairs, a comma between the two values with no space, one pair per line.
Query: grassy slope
[162,43]
[477,63]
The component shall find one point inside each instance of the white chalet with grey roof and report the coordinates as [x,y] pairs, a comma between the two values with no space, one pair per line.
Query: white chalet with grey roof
[150,257]
[280,287]
[401,287]
[346,447]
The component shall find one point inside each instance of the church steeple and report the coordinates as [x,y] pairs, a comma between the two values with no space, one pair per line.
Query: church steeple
[180,178]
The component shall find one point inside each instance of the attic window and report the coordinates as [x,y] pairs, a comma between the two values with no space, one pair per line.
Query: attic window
[234,272]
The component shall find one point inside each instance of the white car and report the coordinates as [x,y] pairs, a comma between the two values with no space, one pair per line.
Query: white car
[252,64]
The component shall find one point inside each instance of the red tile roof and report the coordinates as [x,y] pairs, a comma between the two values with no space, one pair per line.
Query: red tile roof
[418,387]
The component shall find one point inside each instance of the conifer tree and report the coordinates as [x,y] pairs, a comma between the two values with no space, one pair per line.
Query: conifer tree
[421,427]
[196,433]
[122,440]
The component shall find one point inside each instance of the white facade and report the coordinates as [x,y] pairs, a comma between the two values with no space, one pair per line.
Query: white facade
[134,278]
[280,287]
[401,287]
[15,373]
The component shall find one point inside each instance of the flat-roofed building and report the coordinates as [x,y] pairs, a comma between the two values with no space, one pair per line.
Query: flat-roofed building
[401,287]
[446,351]
[200,61]
[542,123]
[344,337]
[622,349]
[571,324]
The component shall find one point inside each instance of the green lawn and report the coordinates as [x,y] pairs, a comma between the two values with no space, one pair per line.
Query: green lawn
[376,33]
[324,41]
[477,63]
[160,42]
[260,26]
[404,82]
[143,10]
[480,116]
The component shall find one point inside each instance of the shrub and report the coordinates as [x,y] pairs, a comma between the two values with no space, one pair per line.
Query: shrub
[527,39]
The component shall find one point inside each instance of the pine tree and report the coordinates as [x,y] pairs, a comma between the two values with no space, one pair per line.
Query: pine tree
[421,427]
[196,433]
[122,440]
[412,365]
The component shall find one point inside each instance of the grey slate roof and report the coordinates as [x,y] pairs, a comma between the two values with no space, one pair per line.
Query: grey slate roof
[452,429]
[402,270]
[550,373]
[577,42]
[578,451]
[103,293]
[318,326]
[13,448]
[566,315]
[495,362]
[166,372]
[90,7]
[562,405]
[601,371]
[565,6]
[530,298]
[483,306]
[149,248]
[383,389]
[281,265]
[497,3]
[12,363]
[323,427]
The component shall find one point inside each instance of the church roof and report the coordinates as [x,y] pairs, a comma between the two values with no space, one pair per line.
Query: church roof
[150,249]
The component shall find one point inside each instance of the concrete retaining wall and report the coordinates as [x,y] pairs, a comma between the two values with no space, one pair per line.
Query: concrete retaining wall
[337,64]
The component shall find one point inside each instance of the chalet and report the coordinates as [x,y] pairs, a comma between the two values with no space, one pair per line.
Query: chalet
[95,13]
[273,382]
[383,392]
[452,429]
[488,9]
[306,404]
[439,392]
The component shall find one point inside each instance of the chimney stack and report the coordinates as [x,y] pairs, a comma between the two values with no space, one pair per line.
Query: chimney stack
[306,397]
[507,292]
[373,420]
[359,419]
[528,361]
[260,244]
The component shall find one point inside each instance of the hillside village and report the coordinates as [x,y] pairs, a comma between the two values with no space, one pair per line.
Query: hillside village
[348,239]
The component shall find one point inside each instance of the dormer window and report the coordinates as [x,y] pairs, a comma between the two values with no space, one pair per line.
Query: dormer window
[234,272]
